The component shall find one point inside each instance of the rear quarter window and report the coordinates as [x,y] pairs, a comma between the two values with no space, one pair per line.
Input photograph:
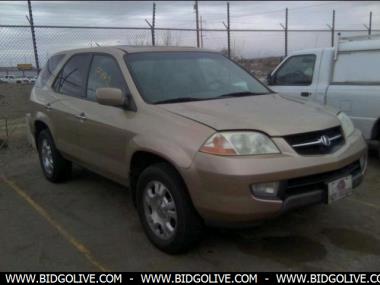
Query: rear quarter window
[48,70]
[71,79]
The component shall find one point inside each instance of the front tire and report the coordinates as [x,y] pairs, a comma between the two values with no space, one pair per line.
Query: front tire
[54,166]
[165,209]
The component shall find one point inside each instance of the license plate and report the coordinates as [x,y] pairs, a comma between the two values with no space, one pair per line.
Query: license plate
[339,188]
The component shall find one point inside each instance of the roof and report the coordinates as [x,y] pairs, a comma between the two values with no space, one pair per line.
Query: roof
[132,49]
[310,50]
[135,49]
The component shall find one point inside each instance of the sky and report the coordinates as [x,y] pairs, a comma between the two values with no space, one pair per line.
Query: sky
[16,43]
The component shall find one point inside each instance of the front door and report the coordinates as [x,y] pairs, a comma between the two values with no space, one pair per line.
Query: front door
[296,76]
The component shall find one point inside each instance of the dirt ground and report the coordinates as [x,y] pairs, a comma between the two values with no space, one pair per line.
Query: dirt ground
[89,223]
[14,100]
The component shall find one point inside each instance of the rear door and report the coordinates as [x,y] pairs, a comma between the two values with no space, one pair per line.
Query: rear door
[296,76]
[69,88]
[102,131]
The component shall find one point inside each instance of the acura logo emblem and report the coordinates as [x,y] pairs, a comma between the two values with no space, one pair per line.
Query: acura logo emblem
[325,140]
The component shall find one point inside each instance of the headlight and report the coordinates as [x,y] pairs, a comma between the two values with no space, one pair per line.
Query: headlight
[239,143]
[347,125]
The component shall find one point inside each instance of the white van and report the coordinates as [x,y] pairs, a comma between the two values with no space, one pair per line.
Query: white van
[346,77]
[9,78]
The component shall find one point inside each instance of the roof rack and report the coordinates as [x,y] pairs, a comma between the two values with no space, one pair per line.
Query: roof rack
[359,38]
[346,40]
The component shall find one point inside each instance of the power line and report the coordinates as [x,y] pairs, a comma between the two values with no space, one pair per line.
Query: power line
[279,10]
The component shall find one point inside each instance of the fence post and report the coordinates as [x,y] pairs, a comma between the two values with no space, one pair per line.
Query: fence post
[30,19]
[153,25]
[370,23]
[228,30]
[285,28]
[201,30]
[197,21]
[333,29]
[286,32]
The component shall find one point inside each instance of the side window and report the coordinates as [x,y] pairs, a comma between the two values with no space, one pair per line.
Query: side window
[359,67]
[47,71]
[72,78]
[297,70]
[104,72]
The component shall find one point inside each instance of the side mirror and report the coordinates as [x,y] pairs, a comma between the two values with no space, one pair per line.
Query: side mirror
[111,97]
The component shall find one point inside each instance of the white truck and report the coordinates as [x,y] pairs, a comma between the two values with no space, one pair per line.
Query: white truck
[346,77]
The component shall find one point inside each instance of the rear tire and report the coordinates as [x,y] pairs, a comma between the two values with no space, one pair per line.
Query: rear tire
[165,209]
[54,166]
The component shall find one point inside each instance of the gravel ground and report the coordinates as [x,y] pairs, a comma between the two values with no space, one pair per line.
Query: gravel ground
[48,227]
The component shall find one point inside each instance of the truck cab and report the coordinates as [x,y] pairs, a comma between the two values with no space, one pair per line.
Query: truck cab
[346,77]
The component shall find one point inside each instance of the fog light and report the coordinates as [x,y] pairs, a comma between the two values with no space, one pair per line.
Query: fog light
[363,162]
[265,190]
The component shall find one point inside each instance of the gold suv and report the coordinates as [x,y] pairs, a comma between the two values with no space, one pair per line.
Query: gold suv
[196,138]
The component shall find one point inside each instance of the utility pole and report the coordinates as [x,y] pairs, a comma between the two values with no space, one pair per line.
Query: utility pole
[30,20]
[332,28]
[153,25]
[228,26]
[197,20]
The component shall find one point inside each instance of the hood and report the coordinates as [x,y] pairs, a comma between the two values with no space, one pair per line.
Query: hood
[271,114]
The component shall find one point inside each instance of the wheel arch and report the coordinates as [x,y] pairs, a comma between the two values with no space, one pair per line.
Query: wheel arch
[375,133]
[140,160]
[40,123]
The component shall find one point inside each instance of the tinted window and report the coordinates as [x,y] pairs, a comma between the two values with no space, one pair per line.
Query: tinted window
[162,76]
[71,79]
[104,72]
[47,71]
[357,67]
[297,70]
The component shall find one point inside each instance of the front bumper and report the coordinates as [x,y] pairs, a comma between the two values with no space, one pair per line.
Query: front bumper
[220,186]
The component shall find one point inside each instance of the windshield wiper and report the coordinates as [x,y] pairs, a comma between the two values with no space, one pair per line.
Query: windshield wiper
[178,100]
[241,94]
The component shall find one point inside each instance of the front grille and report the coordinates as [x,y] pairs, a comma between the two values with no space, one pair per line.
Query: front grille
[317,181]
[319,142]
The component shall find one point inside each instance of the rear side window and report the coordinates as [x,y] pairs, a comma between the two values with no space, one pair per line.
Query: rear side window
[360,67]
[47,71]
[71,79]
[297,70]
[104,72]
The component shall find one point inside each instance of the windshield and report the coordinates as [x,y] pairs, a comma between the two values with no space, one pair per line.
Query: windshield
[164,77]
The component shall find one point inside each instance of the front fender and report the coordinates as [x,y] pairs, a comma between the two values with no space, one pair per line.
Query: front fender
[162,147]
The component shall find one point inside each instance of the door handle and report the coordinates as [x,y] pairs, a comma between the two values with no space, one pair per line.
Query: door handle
[305,94]
[48,107]
[81,116]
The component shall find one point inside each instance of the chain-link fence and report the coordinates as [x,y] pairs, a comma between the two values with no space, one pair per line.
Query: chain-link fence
[256,44]
[16,41]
